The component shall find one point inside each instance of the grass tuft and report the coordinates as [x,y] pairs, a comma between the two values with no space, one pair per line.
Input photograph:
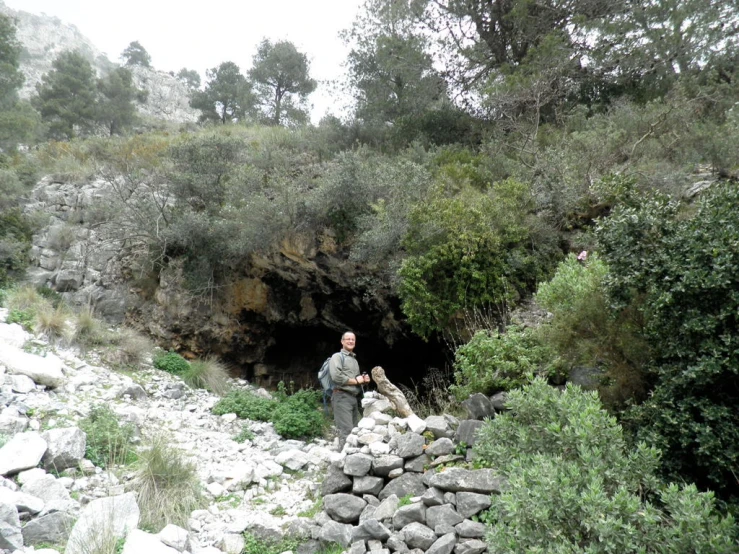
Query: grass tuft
[52,322]
[168,486]
[209,374]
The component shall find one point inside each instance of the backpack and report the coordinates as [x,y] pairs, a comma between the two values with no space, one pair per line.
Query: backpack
[327,384]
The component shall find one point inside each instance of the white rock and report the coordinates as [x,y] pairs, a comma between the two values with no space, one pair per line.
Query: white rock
[292,459]
[369,438]
[30,474]
[13,334]
[114,515]
[44,371]
[229,418]
[366,423]
[140,542]
[416,424]
[379,448]
[21,383]
[175,536]
[267,468]
[215,489]
[23,451]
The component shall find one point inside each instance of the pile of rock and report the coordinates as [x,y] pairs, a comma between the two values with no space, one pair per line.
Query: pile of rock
[390,461]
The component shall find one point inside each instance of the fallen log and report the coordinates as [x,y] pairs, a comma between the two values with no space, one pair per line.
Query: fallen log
[391,392]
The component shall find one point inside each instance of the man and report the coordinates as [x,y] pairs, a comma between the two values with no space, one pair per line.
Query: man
[345,374]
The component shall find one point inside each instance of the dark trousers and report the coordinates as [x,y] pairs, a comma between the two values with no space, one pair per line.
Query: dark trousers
[346,414]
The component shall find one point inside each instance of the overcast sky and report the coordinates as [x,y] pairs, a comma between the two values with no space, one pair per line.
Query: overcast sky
[200,35]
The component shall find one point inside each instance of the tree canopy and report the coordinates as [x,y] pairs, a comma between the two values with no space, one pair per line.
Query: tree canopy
[227,97]
[135,54]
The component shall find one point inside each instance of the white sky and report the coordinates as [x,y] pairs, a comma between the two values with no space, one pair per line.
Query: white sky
[200,35]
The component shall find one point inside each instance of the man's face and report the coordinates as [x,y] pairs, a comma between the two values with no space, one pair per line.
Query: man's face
[348,342]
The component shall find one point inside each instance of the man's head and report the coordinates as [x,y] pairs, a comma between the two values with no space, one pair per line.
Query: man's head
[348,341]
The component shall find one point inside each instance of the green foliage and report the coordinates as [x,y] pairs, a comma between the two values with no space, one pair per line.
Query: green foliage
[23,318]
[171,362]
[67,96]
[108,442]
[190,77]
[282,83]
[168,486]
[227,97]
[493,361]
[244,435]
[294,416]
[404,500]
[15,241]
[468,249]
[208,374]
[584,332]
[573,485]
[254,545]
[135,54]
[116,109]
[678,269]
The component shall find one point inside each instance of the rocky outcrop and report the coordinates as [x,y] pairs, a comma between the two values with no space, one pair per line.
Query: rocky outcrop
[167,98]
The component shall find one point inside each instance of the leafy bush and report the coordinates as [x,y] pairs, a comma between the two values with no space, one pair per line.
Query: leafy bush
[573,485]
[493,361]
[678,268]
[255,545]
[244,435]
[245,405]
[24,318]
[171,362]
[108,442]
[168,487]
[208,374]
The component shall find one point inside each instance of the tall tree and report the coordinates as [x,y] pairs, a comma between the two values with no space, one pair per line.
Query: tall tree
[282,82]
[390,69]
[135,54]
[66,96]
[116,106]
[190,77]
[227,97]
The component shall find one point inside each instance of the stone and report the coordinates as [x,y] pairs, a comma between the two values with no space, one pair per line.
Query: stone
[10,528]
[55,496]
[292,459]
[370,529]
[342,507]
[498,400]
[44,371]
[470,529]
[408,514]
[408,445]
[30,474]
[387,508]
[358,547]
[443,529]
[12,334]
[21,452]
[51,528]
[440,447]
[419,464]
[20,383]
[408,484]
[369,438]
[416,424]
[66,447]
[139,541]
[134,390]
[395,473]
[379,449]
[450,498]
[443,545]
[467,432]
[439,427]
[311,546]
[357,465]
[417,535]
[471,503]
[175,536]
[478,406]
[232,543]
[368,513]
[446,459]
[335,532]
[433,497]
[436,515]
[368,485]
[335,481]
[383,465]
[23,502]
[113,515]
[396,544]
[470,547]
[467,480]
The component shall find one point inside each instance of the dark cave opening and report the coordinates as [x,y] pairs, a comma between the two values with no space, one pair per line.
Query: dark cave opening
[297,352]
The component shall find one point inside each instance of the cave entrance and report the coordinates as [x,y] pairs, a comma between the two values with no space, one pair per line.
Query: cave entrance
[296,355]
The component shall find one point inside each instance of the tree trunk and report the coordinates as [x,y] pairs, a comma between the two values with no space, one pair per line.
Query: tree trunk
[391,392]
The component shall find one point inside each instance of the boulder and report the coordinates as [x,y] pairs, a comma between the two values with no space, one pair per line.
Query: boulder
[439,426]
[408,484]
[417,535]
[436,515]
[467,432]
[10,528]
[387,508]
[113,516]
[440,447]
[357,465]
[443,545]
[176,537]
[51,528]
[44,371]
[292,459]
[408,445]
[383,465]
[478,406]
[138,542]
[344,508]
[54,494]
[467,480]
[370,529]
[408,514]
[336,481]
[66,447]
[470,529]
[23,451]
[471,503]
[474,546]
[419,464]
[368,485]
[335,532]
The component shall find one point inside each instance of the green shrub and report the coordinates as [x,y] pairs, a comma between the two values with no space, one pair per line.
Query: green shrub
[24,318]
[573,485]
[255,545]
[245,405]
[678,269]
[108,442]
[171,362]
[208,374]
[244,435]
[168,487]
[493,361]
[130,349]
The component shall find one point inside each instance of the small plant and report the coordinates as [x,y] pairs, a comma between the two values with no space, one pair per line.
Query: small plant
[246,405]
[313,510]
[168,487]
[246,434]
[171,362]
[24,318]
[208,374]
[254,545]
[132,349]
[52,322]
[404,500]
[108,442]
[88,330]
[278,511]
